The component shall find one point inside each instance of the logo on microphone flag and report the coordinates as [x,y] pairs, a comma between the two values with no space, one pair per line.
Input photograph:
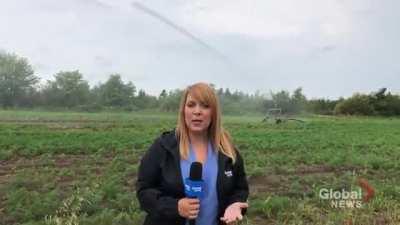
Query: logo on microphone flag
[194,189]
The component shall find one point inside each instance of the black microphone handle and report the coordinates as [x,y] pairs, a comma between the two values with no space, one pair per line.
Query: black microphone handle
[195,174]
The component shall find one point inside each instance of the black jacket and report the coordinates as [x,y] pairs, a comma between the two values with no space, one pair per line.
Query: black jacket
[159,183]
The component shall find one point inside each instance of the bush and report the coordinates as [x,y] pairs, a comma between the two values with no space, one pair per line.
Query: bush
[388,105]
[358,104]
[321,106]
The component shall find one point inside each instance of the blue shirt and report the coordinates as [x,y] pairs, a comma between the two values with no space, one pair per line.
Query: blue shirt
[209,202]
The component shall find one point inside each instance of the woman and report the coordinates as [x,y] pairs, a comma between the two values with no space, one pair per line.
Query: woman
[199,136]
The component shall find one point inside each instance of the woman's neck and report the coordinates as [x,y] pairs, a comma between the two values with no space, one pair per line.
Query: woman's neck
[199,143]
[198,138]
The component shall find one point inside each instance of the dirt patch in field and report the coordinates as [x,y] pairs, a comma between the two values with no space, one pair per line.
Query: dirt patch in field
[259,220]
[62,161]
[8,169]
[381,220]
[267,184]
[311,169]
[280,182]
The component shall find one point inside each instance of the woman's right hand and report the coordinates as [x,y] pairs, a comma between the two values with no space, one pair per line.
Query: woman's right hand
[189,207]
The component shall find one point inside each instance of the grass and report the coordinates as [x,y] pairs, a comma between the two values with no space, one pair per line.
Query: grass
[47,156]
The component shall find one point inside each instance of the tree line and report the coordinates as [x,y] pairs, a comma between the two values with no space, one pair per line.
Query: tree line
[20,88]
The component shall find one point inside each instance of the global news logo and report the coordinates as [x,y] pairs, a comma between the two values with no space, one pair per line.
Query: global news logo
[348,199]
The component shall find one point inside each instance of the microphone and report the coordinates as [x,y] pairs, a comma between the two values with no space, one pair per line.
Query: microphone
[194,184]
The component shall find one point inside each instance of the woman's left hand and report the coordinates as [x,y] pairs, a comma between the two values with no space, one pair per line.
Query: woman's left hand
[233,212]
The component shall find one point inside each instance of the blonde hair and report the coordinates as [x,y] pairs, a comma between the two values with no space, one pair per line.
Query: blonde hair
[220,139]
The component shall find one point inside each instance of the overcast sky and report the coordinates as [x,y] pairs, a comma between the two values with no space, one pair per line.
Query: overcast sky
[331,48]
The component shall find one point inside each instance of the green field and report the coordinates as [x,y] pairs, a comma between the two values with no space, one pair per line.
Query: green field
[84,164]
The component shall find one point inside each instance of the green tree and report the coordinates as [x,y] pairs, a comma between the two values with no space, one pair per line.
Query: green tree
[220,92]
[298,100]
[282,100]
[321,106]
[358,104]
[171,102]
[163,94]
[145,101]
[67,90]
[385,104]
[114,92]
[17,79]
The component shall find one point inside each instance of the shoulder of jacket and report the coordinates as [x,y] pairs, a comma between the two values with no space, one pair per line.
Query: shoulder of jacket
[168,133]
[168,139]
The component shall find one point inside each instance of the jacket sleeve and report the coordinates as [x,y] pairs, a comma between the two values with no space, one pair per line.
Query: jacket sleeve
[241,188]
[148,192]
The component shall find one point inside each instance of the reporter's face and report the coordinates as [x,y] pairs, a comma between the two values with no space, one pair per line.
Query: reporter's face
[197,115]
